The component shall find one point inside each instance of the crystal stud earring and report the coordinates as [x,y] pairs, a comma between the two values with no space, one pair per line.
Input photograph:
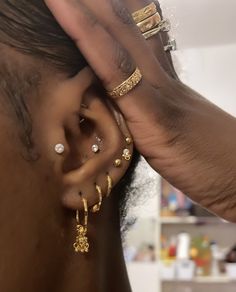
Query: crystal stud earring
[60,149]
[95,148]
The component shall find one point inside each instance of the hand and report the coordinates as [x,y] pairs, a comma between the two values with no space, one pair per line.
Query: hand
[188,140]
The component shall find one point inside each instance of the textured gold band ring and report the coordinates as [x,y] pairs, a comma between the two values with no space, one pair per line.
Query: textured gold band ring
[164,26]
[128,85]
[149,23]
[144,13]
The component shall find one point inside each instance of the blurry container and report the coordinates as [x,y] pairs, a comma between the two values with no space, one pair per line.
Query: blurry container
[185,270]
[231,270]
[167,270]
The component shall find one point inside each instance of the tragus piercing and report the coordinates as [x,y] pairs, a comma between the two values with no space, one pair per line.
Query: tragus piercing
[59,149]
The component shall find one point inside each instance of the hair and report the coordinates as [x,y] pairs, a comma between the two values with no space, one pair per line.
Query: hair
[29,28]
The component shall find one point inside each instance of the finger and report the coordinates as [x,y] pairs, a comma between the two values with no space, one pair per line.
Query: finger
[158,41]
[117,20]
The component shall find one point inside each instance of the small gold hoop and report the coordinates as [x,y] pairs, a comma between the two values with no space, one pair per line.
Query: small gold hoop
[128,85]
[109,185]
[96,208]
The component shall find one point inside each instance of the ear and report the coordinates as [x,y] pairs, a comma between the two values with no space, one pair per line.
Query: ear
[94,135]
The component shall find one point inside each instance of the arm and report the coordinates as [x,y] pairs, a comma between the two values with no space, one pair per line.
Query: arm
[184,137]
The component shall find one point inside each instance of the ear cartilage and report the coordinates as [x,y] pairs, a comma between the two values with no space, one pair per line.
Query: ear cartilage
[95,148]
[127,154]
[59,149]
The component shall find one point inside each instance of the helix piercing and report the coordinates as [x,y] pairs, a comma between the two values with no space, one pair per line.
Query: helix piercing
[117,163]
[126,154]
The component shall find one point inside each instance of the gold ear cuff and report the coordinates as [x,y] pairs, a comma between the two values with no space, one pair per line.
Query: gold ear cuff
[81,243]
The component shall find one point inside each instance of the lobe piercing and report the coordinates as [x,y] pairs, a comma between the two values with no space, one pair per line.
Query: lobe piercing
[96,208]
[60,149]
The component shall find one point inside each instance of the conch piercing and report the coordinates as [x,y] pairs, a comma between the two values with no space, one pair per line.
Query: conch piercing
[96,208]
[60,149]
[81,243]
[95,148]
[109,185]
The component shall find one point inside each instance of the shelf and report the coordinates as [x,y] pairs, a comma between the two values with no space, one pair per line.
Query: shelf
[191,220]
[205,280]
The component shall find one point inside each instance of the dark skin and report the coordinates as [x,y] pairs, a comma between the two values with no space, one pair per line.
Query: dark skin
[40,232]
[178,131]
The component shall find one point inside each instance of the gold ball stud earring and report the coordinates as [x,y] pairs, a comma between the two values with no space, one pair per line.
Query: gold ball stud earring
[117,163]
[128,140]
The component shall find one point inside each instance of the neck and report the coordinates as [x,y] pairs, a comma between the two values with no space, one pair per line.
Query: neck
[45,260]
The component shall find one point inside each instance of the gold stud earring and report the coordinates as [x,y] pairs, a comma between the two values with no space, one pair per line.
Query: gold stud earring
[128,140]
[109,185]
[117,163]
[96,208]
[126,154]
[81,243]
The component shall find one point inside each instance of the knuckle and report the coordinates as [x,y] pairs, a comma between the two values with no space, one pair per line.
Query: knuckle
[124,61]
[122,12]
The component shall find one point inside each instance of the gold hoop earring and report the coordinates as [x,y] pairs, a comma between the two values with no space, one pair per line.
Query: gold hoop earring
[109,185]
[81,243]
[96,208]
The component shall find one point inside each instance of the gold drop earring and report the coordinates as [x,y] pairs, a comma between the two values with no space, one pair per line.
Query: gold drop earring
[81,243]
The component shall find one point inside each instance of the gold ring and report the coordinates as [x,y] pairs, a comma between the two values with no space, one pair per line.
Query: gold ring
[164,25]
[144,13]
[96,208]
[128,85]
[149,23]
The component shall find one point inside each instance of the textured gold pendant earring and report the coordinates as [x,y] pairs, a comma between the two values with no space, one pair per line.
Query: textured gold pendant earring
[81,243]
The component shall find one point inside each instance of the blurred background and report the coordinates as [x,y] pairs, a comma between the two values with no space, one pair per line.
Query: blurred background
[173,244]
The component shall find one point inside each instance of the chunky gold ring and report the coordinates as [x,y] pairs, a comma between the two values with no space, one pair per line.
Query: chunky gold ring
[144,13]
[164,25]
[149,23]
[128,85]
